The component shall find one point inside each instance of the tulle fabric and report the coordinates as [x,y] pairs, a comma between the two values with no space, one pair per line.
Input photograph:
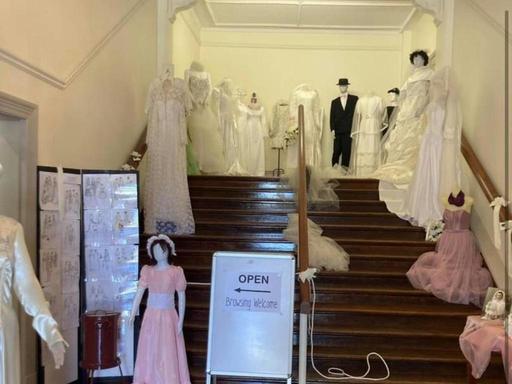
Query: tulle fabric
[453,272]
[324,252]
[161,354]
[479,339]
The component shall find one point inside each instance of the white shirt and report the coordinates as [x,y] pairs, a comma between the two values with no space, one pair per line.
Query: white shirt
[343,99]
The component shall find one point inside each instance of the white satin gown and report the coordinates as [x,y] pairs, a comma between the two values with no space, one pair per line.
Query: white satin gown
[17,275]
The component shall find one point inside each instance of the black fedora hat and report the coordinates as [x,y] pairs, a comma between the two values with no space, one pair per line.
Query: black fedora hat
[394,90]
[343,82]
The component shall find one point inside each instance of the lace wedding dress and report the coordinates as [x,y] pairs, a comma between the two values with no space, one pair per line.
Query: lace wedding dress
[17,276]
[366,135]
[254,131]
[202,124]
[167,205]
[280,123]
[404,139]
[307,96]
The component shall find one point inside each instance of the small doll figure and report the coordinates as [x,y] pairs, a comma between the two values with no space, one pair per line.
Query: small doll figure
[161,355]
[495,308]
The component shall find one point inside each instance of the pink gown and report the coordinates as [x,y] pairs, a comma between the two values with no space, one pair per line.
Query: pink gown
[453,272]
[161,355]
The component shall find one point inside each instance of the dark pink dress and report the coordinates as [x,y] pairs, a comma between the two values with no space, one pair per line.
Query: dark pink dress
[161,355]
[453,272]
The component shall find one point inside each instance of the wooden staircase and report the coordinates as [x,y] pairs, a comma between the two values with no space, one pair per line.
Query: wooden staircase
[370,308]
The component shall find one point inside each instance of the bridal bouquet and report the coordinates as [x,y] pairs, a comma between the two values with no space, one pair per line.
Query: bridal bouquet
[291,135]
[434,230]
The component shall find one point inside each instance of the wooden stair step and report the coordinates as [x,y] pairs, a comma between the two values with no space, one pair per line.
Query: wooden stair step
[258,230]
[281,216]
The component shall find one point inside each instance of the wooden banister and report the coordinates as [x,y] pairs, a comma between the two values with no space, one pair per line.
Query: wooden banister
[482,177]
[303,215]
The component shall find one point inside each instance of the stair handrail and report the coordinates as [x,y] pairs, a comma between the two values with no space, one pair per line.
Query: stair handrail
[302,201]
[482,177]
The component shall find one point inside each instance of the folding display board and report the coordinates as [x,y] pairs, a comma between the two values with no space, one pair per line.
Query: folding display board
[88,255]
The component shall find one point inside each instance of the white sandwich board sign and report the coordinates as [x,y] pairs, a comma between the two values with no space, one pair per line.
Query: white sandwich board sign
[251,315]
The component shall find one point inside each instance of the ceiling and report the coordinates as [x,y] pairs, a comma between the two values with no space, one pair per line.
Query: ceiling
[387,15]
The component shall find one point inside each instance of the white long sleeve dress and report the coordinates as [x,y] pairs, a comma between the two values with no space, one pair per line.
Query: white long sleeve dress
[17,275]
[253,124]
[306,95]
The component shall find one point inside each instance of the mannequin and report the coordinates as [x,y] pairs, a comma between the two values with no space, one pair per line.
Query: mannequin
[17,274]
[253,143]
[457,200]
[161,355]
[342,114]
[403,141]
[225,108]
[166,196]
[445,272]
[392,104]
[203,126]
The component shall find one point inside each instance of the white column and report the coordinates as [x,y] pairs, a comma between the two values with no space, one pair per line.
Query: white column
[162,37]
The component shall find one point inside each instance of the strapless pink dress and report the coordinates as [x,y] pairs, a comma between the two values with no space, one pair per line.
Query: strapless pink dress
[161,355]
[454,272]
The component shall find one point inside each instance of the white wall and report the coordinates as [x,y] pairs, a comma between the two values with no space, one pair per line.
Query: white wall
[273,63]
[97,118]
[478,62]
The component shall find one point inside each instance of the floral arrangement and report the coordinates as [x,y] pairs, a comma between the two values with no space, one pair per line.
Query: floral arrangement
[291,135]
[434,230]
[135,157]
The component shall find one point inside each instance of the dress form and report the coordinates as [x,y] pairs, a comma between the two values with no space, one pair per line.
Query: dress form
[17,276]
[467,205]
[254,138]
[161,354]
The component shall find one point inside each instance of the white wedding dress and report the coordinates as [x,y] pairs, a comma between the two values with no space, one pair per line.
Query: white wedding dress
[17,276]
[307,96]
[437,170]
[404,139]
[253,124]
[226,110]
[324,252]
[366,134]
[203,126]
[167,207]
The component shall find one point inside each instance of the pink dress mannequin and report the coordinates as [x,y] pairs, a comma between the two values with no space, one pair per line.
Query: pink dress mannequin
[453,272]
[161,355]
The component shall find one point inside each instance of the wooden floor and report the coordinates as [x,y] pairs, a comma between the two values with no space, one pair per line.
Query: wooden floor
[371,308]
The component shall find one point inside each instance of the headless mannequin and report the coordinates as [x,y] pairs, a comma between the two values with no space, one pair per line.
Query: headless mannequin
[468,201]
[161,257]
[167,77]
[254,104]
[196,66]
[58,348]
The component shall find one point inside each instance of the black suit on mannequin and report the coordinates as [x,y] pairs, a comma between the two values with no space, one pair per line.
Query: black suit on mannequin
[341,124]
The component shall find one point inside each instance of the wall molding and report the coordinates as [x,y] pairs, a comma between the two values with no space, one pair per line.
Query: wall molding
[62,82]
[495,24]
[324,47]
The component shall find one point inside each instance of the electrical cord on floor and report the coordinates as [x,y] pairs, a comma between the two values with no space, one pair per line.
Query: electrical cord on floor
[334,372]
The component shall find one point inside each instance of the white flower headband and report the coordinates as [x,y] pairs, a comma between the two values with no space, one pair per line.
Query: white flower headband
[165,238]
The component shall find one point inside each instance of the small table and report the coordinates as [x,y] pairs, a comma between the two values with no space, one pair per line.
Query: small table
[479,339]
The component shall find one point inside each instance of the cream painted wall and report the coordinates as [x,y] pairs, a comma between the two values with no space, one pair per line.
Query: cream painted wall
[185,38]
[478,62]
[272,64]
[97,119]
[91,112]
